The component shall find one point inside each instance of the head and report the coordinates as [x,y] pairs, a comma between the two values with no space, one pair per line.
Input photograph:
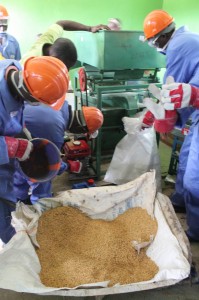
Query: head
[44,79]
[88,120]
[114,24]
[3,19]
[65,50]
[158,28]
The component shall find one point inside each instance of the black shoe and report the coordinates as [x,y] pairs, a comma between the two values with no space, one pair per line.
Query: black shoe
[179,209]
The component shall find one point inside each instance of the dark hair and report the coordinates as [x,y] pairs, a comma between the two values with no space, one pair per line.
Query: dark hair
[65,50]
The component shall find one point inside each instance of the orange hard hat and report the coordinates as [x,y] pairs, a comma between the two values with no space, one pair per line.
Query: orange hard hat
[3,12]
[155,22]
[93,118]
[47,80]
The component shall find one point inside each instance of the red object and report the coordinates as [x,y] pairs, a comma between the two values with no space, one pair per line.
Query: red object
[90,181]
[167,124]
[75,166]
[74,151]
[148,119]
[17,147]
[82,80]
[185,131]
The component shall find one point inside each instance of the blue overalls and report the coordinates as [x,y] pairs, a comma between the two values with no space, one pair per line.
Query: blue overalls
[182,62]
[42,122]
[10,48]
[11,123]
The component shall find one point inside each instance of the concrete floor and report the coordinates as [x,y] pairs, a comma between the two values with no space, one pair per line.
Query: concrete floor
[185,290]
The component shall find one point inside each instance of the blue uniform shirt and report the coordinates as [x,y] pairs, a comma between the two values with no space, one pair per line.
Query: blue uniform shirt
[10,48]
[182,62]
[11,123]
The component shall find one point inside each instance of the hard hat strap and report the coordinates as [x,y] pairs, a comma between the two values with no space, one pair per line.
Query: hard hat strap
[77,122]
[20,87]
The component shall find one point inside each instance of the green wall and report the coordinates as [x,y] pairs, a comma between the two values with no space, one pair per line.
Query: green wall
[184,12]
[28,18]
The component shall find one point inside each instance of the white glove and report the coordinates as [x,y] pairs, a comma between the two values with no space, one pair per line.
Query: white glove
[157,109]
[179,95]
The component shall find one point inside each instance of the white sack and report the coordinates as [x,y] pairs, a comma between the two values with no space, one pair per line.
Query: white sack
[19,264]
[135,154]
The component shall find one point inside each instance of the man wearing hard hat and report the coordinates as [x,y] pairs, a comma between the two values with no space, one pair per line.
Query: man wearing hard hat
[87,120]
[182,65]
[43,79]
[9,46]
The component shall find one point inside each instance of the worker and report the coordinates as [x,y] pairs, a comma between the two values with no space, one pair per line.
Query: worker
[51,42]
[115,24]
[182,60]
[9,46]
[88,120]
[43,79]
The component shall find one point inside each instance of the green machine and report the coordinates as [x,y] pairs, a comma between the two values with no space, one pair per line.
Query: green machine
[116,69]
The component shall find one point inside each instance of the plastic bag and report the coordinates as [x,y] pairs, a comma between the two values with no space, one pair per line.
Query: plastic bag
[135,154]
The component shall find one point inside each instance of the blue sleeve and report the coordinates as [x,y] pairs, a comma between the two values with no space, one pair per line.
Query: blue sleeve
[4,159]
[182,61]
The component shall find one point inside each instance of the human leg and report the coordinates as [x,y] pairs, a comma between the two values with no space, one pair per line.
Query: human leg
[191,185]
[6,229]
[177,197]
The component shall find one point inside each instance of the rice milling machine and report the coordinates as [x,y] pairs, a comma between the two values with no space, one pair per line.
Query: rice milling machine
[116,69]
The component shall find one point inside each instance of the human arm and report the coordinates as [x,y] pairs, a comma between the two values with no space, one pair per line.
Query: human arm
[75,26]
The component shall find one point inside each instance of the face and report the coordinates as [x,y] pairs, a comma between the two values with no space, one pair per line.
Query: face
[3,25]
[159,41]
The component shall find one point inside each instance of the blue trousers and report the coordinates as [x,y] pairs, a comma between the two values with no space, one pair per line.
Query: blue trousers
[187,184]
[6,229]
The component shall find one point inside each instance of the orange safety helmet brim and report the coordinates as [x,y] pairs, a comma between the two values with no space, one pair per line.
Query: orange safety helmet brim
[93,118]
[47,80]
[155,22]
[3,12]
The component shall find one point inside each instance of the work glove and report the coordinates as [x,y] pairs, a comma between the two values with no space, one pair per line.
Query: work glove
[179,95]
[18,148]
[148,119]
[164,120]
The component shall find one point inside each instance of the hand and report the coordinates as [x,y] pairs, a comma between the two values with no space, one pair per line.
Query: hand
[99,27]
[179,95]
[18,148]
[167,124]
[155,108]
[164,120]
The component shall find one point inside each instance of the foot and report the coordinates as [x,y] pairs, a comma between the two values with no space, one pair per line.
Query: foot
[75,166]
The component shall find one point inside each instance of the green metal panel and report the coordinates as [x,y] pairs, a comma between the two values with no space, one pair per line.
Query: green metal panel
[116,50]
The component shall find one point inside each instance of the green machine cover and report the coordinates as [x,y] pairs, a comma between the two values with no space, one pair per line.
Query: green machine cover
[116,50]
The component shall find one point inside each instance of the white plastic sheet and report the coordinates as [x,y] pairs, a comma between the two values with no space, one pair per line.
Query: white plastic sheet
[19,264]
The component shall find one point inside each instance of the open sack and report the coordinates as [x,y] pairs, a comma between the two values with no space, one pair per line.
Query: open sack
[135,154]
[19,264]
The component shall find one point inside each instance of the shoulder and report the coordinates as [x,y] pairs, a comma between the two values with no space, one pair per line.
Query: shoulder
[55,30]
[12,38]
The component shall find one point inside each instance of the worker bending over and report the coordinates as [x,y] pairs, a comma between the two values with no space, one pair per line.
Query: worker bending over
[43,79]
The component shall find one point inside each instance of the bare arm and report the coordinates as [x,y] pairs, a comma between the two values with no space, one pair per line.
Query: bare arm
[75,26]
